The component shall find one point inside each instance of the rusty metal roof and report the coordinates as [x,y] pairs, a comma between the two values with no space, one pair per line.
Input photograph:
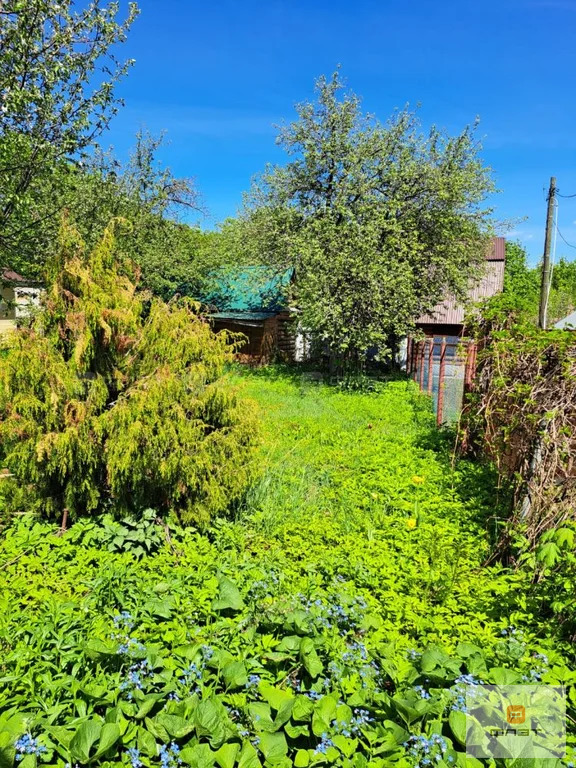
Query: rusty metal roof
[9,276]
[498,250]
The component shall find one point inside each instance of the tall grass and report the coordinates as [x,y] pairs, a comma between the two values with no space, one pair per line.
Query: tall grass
[347,455]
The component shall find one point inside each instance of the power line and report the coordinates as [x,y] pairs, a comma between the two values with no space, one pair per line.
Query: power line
[563,238]
[565,196]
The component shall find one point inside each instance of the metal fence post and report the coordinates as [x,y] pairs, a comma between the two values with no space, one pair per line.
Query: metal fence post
[441,370]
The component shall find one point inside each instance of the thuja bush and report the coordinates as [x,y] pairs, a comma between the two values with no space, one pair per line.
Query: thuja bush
[115,400]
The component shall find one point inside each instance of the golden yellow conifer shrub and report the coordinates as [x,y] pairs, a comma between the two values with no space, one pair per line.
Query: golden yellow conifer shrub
[116,400]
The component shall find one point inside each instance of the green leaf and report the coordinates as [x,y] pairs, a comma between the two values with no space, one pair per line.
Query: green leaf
[226,755]
[235,674]
[261,714]
[302,758]
[465,761]
[59,733]
[158,731]
[85,737]
[302,709]
[229,597]
[296,731]
[457,721]
[109,735]
[275,696]
[503,676]
[198,756]
[249,757]
[146,743]
[324,713]
[176,727]
[161,609]
[290,643]
[147,704]
[273,746]
[464,650]
[96,649]
[549,553]
[7,750]
[284,713]
[310,658]
[210,719]
[345,745]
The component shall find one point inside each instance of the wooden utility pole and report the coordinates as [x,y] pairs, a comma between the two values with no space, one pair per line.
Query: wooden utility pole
[546,271]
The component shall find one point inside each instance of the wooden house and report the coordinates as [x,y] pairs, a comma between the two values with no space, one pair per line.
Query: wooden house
[443,363]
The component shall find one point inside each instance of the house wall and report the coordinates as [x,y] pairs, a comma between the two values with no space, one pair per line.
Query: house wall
[451,312]
[266,339]
[286,337]
[16,303]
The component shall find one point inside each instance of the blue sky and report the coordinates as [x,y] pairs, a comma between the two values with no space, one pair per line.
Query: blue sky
[217,76]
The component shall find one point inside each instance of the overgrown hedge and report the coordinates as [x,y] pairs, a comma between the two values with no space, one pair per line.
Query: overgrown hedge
[521,415]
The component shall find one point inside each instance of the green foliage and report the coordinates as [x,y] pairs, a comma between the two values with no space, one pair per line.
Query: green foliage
[57,80]
[555,562]
[379,221]
[140,535]
[172,256]
[522,285]
[115,399]
[328,638]
[520,414]
[520,281]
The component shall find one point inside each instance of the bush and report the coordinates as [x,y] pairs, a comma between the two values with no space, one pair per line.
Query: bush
[521,415]
[114,400]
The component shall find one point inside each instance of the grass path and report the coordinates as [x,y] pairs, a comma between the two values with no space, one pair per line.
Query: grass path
[363,485]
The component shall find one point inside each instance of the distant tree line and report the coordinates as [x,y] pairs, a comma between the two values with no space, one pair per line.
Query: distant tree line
[58,73]
[522,284]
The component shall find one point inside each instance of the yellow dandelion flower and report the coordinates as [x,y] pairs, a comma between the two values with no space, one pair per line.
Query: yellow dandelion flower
[411,523]
[417,480]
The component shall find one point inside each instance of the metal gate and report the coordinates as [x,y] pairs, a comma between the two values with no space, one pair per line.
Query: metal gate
[443,366]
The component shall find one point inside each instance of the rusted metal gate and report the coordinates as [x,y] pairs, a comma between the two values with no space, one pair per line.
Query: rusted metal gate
[444,367]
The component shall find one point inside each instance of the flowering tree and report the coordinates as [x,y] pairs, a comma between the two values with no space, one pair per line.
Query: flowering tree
[57,79]
[380,221]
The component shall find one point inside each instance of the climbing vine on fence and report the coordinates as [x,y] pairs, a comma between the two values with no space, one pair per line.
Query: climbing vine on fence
[521,415]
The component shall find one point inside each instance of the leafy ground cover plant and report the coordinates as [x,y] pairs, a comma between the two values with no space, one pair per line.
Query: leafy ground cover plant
[338,632]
